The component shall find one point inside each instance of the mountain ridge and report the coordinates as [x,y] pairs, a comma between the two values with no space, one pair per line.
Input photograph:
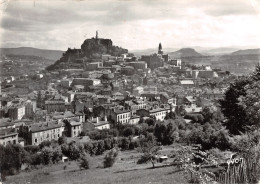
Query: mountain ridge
[31,51]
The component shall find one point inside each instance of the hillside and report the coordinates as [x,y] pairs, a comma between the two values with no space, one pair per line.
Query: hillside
[184,52]
[29,51]
[124,171]
[91,50]
[247,52]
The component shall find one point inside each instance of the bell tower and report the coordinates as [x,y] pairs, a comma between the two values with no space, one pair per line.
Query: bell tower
[160,49]
[96,34]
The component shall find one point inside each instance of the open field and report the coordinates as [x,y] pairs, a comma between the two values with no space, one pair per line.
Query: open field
[125,171]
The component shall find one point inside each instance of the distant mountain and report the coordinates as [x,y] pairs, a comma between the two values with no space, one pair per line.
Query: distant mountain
[184,52]
[150,51]
[247,52]
[29,51]
[218,51]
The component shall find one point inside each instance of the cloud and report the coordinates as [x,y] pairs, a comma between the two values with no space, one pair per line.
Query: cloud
[132,24]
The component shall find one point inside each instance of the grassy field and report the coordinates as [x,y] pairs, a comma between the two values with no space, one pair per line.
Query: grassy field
[125,171]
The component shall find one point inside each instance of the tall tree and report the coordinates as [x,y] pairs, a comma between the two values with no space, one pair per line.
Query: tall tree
[241,103]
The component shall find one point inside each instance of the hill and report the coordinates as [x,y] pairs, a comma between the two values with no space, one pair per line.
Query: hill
[247,52]
[184,52]
[29,51]
[91,50]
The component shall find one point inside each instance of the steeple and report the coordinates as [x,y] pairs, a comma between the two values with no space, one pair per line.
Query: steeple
[160,49]
[96,34]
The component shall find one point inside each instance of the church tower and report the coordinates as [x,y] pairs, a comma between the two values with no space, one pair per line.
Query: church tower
[160,49]
[96,34]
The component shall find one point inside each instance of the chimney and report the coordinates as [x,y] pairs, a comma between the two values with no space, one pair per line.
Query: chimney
[105,118]
[97,120]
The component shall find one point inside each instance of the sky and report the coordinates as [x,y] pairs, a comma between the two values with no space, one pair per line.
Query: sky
[131,24]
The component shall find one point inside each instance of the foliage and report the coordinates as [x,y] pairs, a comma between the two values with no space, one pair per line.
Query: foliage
[75,151]
[197,118]
[84,162]
[240,104]
[128,131]
[61,140]
[11,158]
[102,134]
[110,158]
[148,146]
[166,134]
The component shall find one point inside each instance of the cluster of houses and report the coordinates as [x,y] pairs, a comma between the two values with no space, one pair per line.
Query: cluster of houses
[113,90]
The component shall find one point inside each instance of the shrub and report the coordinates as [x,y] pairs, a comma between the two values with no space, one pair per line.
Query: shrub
[47,154]
[84,163]
[110,158]
[75,151]
[61,140]
[124,143]
[144,159]
[128,131]
[45,143]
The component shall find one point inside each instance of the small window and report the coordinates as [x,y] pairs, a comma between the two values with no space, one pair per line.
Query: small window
[35,140]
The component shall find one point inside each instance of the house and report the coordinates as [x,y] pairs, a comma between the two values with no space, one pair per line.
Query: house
[134,120]
[8,136]
[134,105]
[6,123]
[138,65]
[85,82]
[158,113]
[187,83]
[35,134]
[68,115]
[193,109]
[118,96]
[72,128]
[121,116]
[30,108]
[101,124]
[66,83]
[16,111]
[153,61]
[55,104]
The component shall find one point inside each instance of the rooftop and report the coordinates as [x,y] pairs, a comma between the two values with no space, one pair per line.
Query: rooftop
[38,127]
[7,132]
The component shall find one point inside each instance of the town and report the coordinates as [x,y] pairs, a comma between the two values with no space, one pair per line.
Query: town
[95,93]
[100,99]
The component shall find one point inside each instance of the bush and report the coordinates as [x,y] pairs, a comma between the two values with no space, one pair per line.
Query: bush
[47,154]
[144,159]
[84,163]
[110,158]
[128,131]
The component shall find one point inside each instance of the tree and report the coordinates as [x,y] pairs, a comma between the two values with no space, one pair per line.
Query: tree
[236,115]
[61,140]
[84,162]
[148,146]
[47,154]
[128,131]
[241,103]
[110,158]
[211,113]
[251,104]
